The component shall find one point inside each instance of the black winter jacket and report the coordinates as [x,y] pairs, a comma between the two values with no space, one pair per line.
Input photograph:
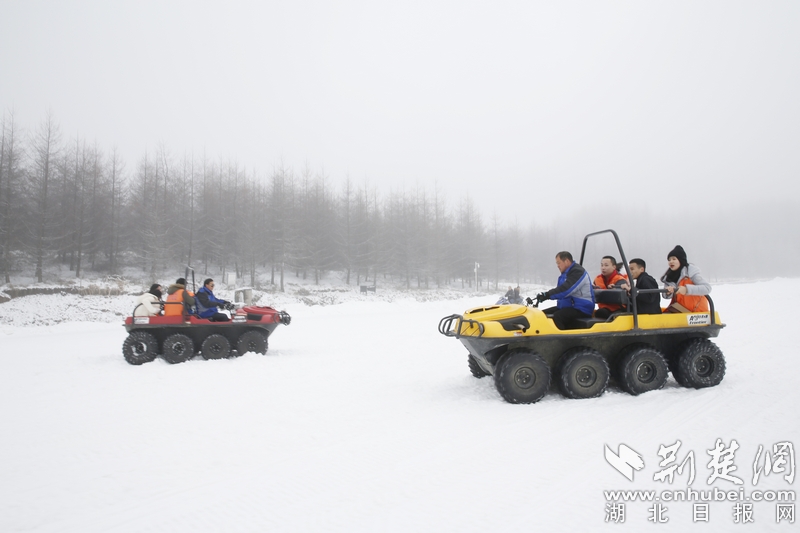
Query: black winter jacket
[647,304]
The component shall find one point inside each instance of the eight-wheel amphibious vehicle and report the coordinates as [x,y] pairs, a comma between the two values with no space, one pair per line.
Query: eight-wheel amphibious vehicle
[522,348]
[178,338]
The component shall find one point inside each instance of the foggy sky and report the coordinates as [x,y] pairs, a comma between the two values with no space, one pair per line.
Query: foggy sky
[533,108]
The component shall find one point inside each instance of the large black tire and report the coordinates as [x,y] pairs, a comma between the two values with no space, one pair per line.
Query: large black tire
[178,348]
[583,373]
[215,346]
[641,369]
[140,347]
[522,376]
[476,370]
[700,364]
[252,341]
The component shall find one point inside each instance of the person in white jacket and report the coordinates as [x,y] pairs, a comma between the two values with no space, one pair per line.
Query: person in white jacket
[147,304]
[684,284]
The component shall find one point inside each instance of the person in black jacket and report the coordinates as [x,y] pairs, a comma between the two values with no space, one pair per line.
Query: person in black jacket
[646,304]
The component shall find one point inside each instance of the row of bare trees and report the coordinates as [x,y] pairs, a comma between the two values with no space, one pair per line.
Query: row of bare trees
[69,202]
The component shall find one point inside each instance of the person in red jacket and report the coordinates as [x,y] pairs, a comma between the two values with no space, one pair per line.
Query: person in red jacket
[609,278]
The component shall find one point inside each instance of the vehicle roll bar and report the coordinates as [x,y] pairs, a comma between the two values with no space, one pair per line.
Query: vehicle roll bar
[446,326]
[634,290]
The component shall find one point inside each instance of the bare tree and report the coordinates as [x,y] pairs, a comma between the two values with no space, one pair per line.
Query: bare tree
[345,233]
[45,145]
[282,216]
[117,187]
[80,180]
[189,187]
[10,191]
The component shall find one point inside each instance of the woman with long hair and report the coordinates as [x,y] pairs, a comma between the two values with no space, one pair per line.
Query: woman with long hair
[684,284]
[148,303]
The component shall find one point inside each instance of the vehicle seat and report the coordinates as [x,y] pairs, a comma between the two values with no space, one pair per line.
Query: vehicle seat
[587,323]
[611,296]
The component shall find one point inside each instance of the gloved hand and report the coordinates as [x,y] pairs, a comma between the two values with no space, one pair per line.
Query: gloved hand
[541,297]
[229,306]
[528,300]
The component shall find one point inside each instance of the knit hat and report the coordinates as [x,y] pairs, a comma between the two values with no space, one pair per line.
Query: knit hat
[680,254]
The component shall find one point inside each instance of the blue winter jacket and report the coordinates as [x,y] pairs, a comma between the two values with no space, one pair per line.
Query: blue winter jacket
[207,303]
[574,290]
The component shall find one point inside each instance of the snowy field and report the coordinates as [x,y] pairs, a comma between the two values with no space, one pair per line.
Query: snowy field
[361,417]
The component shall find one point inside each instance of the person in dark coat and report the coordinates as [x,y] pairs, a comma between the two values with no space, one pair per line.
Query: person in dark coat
[646,304]
[516,297]
[509,294]
[207,303]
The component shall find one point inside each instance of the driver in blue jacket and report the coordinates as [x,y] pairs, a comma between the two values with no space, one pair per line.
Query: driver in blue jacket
[207,303]
[574,295]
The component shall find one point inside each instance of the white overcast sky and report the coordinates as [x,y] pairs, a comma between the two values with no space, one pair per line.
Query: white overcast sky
[528,106]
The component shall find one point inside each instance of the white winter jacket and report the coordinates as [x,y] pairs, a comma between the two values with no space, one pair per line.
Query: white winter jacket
[149,305]
[699,287]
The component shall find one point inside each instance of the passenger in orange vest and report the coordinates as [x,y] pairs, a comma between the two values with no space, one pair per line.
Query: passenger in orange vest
[684,284]
[177,293]
[609,278]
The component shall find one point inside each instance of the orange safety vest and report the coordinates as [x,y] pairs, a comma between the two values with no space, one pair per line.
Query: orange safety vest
[695,304]
[600,283]
[173,309]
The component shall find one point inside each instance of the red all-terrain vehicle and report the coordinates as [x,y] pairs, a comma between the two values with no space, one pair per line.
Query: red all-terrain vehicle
[179,338]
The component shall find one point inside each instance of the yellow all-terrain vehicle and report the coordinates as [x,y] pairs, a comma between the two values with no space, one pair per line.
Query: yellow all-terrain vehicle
[522,348]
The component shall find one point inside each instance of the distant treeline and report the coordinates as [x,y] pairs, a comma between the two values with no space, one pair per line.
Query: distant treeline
[71,202]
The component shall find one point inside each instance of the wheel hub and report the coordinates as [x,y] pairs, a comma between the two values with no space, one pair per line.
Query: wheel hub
[586,376]
[704,366]
[646,372]
[525,378]
[139,349]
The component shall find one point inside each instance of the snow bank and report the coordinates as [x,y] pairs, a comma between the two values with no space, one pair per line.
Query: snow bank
[44,310]
[363,418]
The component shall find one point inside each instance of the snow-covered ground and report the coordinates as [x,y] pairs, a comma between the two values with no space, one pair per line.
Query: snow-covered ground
[363,418]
